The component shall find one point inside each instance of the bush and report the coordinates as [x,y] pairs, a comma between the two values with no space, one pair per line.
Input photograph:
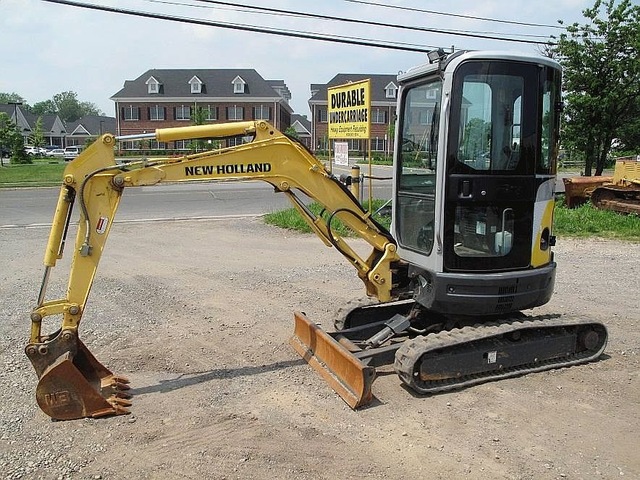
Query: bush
[19,156]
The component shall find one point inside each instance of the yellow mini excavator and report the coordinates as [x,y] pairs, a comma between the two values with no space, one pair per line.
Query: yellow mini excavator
[470,244]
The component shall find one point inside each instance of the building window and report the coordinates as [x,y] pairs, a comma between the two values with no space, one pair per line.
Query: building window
[378,115]
[210,112]
[262,112]
[424,115]
[156,145]
[182,144]
[238,84]
[378,144]
[153,86]
[354,145]
[322,115]
[323,143]
[235,113]
[156,113]
[183,112]
[196,85]
[131,113]
[390,90]
[432,93]
[239,140]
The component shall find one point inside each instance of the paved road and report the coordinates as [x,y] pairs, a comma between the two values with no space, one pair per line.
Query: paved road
[35,206]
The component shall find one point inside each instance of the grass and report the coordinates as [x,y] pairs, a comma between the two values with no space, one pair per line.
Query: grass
[43,172]
[291,219]
[585,221]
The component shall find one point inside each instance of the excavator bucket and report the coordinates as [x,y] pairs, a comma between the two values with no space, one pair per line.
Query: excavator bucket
[347,375]
[73,384]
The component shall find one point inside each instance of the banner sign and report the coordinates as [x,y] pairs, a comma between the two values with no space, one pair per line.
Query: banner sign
[349,109]
[341,153]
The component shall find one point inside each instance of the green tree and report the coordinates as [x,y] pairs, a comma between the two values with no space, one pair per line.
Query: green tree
[629,134]
[11,140]
[290,131]
[37,137]
[65,104]
[70,109]
[601,78]
[11,97]
[198,117]
[47,107]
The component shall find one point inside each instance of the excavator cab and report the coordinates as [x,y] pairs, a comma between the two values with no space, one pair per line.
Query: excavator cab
[475,180]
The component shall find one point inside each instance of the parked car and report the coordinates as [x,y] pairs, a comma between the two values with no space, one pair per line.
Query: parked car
[35,151]
[72,152]
[56,153]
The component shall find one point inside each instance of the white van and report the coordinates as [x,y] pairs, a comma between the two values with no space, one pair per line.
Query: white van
[72,152]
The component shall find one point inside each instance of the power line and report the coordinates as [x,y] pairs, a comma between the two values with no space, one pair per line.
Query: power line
[250,28]
[316,16]
[471,17]
[350,40]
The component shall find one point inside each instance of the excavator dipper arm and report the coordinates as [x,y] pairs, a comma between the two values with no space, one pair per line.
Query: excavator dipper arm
[72,383]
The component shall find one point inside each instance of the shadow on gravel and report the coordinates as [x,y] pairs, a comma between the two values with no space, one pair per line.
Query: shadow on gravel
[188,379]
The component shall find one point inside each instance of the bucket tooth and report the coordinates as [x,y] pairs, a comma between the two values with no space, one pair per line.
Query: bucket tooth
[115,385]
[346,375]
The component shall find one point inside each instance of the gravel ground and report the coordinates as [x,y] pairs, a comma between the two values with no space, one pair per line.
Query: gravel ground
[198,315]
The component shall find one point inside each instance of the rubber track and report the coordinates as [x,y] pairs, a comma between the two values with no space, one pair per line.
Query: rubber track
[409,354]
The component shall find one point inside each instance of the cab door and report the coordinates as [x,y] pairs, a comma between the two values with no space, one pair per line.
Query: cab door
[490,184]
[417,186]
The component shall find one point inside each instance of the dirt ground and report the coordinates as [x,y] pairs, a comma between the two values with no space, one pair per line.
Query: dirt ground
[198,316]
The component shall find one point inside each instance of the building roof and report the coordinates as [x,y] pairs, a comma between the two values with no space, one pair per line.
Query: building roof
[92,125]
[215,83]
[27,121]
[379,84]
[6,108]
[281,88]
[301,124]
[51,123]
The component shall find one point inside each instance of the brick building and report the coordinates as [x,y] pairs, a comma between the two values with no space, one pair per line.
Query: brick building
[171,98]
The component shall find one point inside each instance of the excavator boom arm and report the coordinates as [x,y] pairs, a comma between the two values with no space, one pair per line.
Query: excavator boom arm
[96,182]
[72,382]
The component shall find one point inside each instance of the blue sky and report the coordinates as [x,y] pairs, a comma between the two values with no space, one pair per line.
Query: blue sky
[49,48]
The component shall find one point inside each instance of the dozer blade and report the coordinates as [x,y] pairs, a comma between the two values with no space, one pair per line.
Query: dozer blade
[73,384]
[348,377]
